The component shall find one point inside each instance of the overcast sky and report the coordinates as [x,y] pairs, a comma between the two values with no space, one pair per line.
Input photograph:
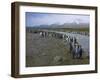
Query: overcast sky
[36,19]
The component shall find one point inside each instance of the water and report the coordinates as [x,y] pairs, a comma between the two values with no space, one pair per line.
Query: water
[82,40]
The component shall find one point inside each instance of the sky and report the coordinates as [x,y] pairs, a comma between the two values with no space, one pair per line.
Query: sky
[36,19]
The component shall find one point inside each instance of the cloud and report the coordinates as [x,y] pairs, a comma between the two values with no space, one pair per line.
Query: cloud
[33,19]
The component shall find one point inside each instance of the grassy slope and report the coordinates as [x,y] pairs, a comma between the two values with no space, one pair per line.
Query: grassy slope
[41,51]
